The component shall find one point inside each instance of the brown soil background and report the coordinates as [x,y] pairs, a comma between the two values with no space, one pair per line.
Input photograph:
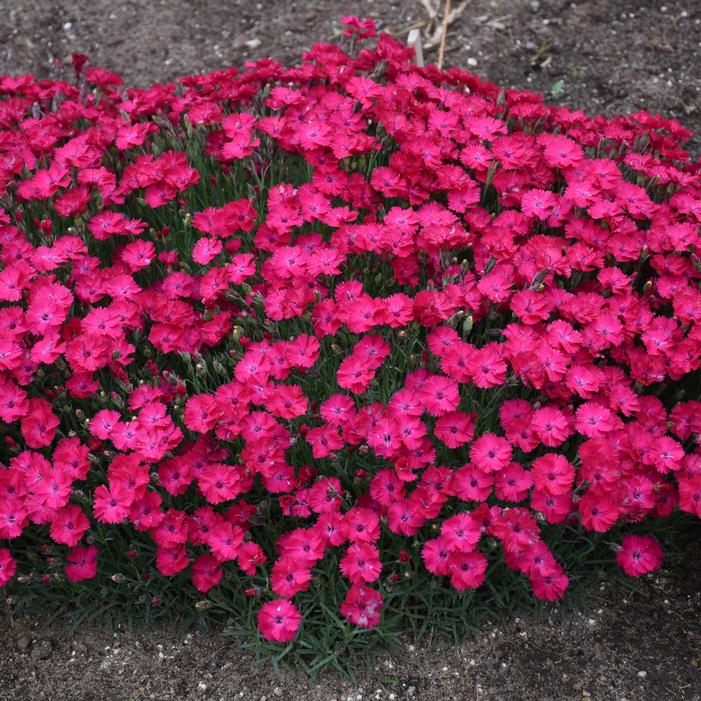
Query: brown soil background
[597,55]
[611,55]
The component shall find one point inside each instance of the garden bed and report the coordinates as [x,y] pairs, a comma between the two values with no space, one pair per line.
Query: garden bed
[549,582]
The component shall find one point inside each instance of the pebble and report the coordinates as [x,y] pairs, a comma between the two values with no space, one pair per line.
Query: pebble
[471,61]
[277,691]
[642,674]
[41,650]
[253,43]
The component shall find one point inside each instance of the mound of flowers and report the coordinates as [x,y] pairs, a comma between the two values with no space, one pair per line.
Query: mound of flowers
[271,316]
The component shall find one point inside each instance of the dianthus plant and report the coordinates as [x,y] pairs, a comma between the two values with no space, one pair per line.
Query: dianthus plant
[352,311]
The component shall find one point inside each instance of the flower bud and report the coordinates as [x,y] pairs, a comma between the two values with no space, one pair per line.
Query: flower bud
[219,368]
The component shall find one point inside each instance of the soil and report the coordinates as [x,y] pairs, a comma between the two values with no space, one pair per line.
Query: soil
[597,55]
[620,645]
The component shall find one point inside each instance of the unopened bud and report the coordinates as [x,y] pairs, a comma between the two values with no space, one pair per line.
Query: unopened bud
[219,368]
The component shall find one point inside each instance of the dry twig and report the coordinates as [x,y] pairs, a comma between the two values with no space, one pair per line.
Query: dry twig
[434,29]
[444,34]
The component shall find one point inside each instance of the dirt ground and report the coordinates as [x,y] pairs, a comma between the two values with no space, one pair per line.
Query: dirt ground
[597,55]
[618,647]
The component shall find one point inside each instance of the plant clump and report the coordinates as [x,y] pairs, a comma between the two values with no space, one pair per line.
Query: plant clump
[312,329]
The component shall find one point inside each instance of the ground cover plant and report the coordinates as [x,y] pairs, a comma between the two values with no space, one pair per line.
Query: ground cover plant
[338,347]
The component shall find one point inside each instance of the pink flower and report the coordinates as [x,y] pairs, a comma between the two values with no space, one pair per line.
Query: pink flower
[553,473]
[206,250]
[440,395]
[461,533]
[551,426]
[598,511]
[595,419]
[361,563]
[290,576]
[8,566]
[469,483]
[513,482]
[362,525]
[171,559]
[206,573]
[279,620]
[639,555]
[490,452]
[467,570]
[81,563]
[362,606]
[111,505]
[68,525]
[551,584]
[455,428]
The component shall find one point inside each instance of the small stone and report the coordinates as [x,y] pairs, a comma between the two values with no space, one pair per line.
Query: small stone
[642,674]
[277,691]
[24,642]
[201,687]
[471,61]
[253,43]
[41,650]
